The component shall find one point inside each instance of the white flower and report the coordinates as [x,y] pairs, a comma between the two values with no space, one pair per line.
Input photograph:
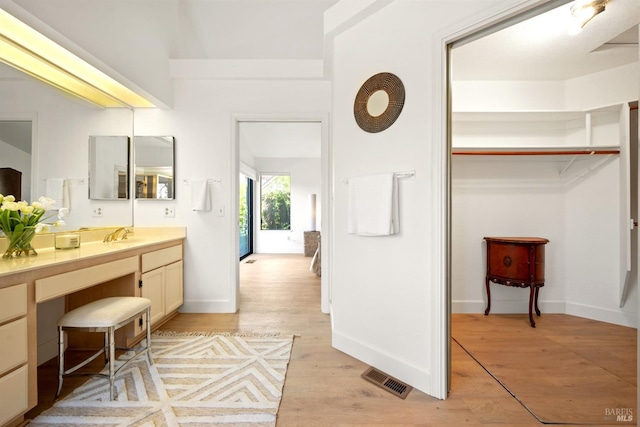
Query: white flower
[27,209]
[63,212]
[9,198]
[12,206]
[46,202]
[38,205]
[59,223]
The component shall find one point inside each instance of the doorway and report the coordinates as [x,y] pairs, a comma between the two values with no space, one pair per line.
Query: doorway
[245,215]
[276,148]
[493,127]
[16,142]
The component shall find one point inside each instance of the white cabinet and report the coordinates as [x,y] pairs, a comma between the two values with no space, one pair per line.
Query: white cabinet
[162,282]
[14,378]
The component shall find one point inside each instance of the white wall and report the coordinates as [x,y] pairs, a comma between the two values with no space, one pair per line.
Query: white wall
[305,179]
[11,157]
[201,122]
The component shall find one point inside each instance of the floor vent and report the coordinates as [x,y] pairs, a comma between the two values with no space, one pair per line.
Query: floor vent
[251,261]
[382,380]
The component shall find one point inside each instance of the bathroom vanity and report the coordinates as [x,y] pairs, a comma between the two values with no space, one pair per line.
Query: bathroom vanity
[148,264]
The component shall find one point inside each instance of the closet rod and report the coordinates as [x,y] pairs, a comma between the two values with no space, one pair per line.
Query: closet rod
[533,152]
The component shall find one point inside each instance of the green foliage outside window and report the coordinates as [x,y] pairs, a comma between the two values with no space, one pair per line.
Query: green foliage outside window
[275,202]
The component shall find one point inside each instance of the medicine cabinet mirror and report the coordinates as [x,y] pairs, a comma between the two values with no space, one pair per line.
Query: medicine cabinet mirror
[154,167]
[108,167]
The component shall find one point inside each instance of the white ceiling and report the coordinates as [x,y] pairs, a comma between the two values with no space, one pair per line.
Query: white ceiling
[541,48]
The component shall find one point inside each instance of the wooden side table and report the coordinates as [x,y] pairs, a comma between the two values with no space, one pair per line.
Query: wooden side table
[519,262]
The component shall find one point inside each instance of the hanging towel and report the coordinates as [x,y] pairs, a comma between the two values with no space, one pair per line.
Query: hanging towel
[200,200]
[373,205]
[58,190]
[66,194]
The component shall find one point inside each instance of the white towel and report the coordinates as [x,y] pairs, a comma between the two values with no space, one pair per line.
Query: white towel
[200,200]
[58,190]
[373,205]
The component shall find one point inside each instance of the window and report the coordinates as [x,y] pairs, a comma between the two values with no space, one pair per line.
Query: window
[275,202]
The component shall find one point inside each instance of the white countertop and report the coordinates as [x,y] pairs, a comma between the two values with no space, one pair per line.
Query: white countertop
[92,248]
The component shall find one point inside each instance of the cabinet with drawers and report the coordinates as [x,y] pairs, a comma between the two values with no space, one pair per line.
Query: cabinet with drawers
[14,376]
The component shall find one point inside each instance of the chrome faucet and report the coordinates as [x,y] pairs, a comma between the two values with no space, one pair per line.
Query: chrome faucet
[113,237]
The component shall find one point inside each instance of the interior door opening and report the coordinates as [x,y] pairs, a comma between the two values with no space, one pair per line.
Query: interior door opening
[457,103]
[294,146]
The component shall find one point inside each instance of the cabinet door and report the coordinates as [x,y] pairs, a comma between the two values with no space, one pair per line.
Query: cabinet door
[153,289]
[173,287]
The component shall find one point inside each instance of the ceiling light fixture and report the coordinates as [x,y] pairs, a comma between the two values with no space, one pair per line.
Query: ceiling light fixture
[585,10]
[29,51]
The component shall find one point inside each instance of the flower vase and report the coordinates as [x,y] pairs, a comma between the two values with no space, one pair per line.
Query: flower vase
[20,244]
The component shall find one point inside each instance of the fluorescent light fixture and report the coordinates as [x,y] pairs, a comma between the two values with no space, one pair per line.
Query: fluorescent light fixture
[26,49]
[584,11]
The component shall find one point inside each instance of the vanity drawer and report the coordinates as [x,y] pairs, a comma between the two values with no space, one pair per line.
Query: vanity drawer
[14,398]
[155,259]
[13,302]
[72,281]
[13,339]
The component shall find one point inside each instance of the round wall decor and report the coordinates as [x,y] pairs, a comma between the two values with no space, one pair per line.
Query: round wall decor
[379,102]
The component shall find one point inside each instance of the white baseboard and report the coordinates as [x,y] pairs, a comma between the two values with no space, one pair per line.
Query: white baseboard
[208,306]
[617,317]
[393,365]
[506,306]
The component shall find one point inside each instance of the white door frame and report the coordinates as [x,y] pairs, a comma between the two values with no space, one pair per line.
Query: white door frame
[326,196]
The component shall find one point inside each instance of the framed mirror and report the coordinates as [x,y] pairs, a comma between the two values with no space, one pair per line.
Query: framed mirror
[108,167]
[154,167]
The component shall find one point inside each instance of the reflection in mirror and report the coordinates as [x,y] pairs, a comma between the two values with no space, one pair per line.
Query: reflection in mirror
[108,167]
[15,158]
[154,167]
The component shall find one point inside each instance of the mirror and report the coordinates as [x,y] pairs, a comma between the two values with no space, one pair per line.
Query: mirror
[108,167]
[154,167]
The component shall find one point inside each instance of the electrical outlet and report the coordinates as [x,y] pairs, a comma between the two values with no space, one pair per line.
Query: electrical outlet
[97,212]
[169,212]
[220,210]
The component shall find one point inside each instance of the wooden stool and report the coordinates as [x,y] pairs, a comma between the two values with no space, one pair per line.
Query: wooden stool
[104,315]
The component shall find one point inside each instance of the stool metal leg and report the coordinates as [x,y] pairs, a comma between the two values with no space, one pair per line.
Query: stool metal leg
[112,362]
[149,335]
[60,360]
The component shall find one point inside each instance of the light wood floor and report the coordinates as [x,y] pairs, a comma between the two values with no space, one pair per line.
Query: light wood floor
[323,386]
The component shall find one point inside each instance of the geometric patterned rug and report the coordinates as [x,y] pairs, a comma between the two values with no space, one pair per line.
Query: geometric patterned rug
[197,379]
